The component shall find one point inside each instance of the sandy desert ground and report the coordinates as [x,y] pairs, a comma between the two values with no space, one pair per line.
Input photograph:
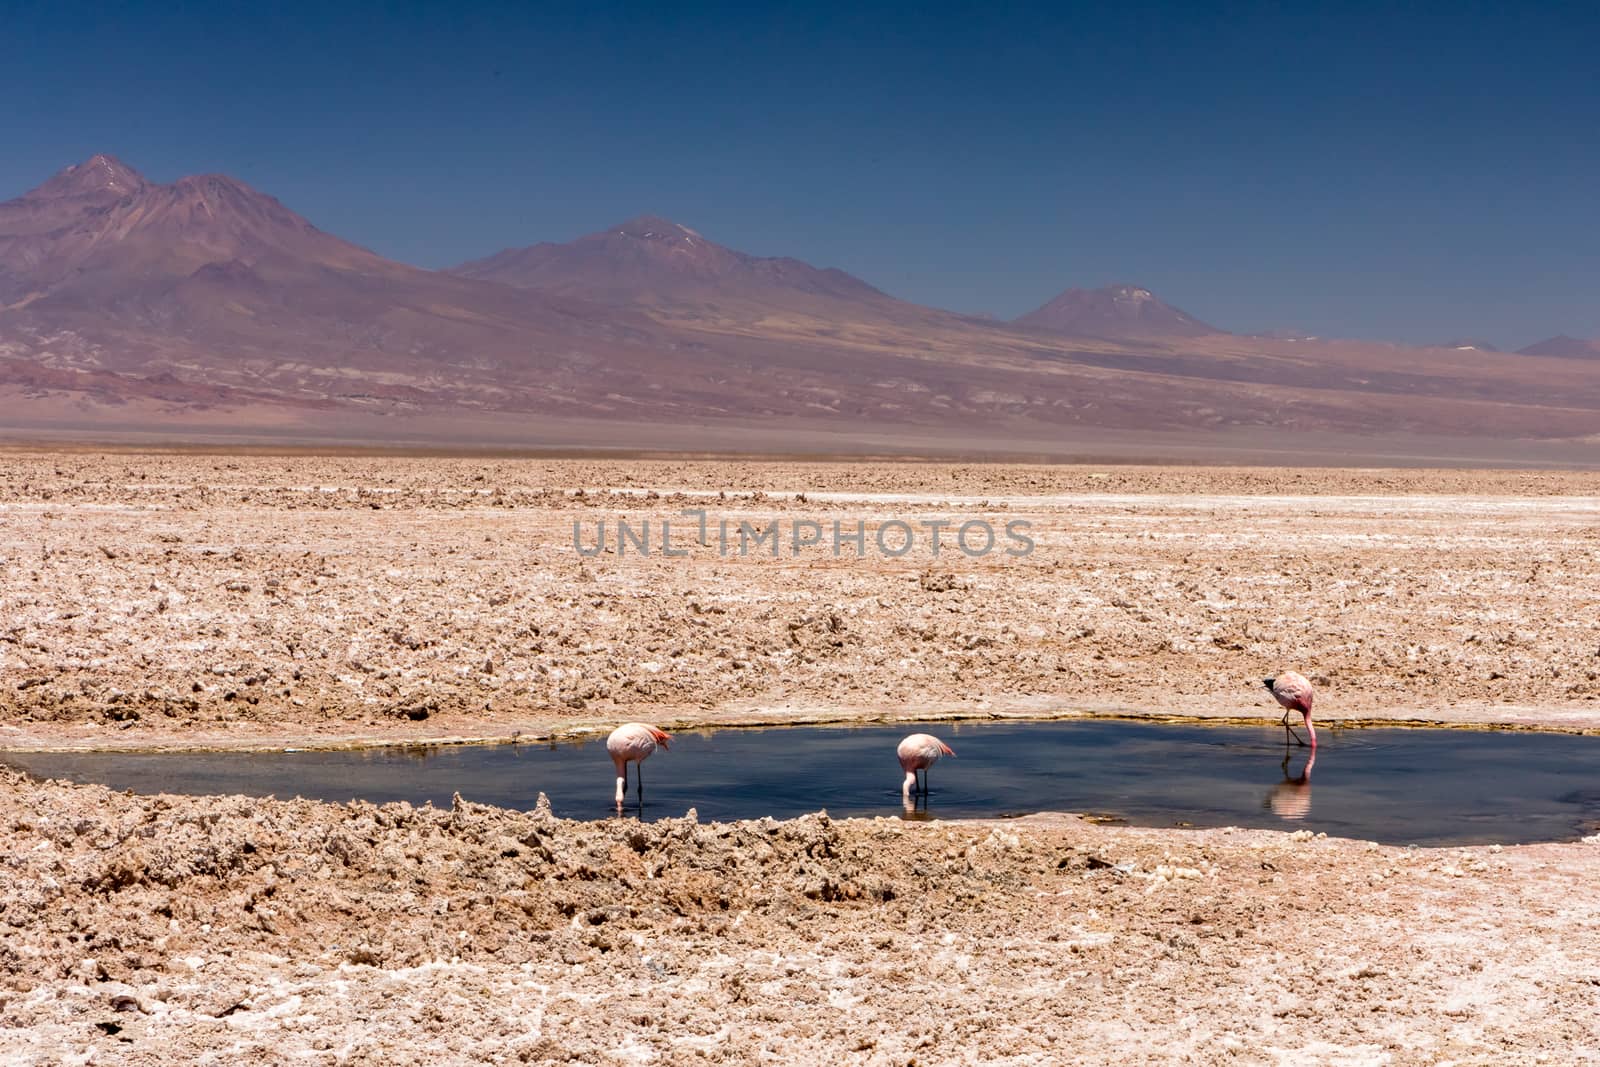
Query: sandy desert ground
[166,600]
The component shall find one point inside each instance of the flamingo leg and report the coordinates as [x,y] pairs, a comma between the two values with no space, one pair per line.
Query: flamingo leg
[639,770]
[1290,729]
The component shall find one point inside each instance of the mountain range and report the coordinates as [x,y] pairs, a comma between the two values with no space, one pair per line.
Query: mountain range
[650,259]
[1564,347]
[205,307]
[1114,311]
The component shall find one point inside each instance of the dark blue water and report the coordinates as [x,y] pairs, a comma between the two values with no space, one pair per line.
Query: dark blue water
[1398,786]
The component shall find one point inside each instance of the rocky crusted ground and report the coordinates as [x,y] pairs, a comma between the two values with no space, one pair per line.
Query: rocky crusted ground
[184,599]
[203,599]
[147,930]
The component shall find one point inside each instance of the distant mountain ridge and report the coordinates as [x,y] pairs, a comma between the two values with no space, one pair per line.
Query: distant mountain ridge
[1114,311]
[99,229]
[1563,347]
[652,256]
[130,303]
[207,281]
[71,196]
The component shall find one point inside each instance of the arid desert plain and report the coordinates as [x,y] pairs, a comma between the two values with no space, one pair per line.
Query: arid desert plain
[188,600]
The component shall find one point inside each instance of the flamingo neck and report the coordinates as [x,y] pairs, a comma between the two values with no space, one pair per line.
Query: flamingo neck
[1312,730]
[622,783]
[909,784]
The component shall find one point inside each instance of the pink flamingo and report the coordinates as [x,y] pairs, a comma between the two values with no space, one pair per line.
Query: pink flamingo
[1295,694]
[917,753]
[633,743]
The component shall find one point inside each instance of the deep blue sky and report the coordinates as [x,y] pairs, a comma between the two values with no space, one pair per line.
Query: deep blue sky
[1379,171]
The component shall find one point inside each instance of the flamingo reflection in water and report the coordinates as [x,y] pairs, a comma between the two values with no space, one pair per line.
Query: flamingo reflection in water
[1291,798]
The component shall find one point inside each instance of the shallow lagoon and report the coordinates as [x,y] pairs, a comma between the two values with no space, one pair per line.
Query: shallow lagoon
[1399,786]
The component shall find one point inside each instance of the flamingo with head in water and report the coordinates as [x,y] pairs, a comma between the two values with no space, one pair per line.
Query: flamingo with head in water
[1295,694]
[917,753]
[633,742]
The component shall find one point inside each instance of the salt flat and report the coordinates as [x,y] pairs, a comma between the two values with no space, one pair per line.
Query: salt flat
[230,601]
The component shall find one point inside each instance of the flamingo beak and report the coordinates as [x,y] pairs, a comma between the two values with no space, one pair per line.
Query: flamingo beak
[1268,682]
